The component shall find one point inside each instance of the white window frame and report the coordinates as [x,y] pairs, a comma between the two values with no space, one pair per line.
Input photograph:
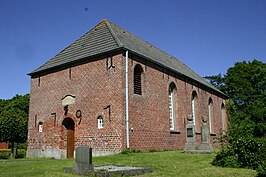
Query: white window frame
[100,122]
[40,127]
[171,108]
[210,108]
[193,109]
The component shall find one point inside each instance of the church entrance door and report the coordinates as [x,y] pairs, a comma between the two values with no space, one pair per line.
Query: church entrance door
[70,126]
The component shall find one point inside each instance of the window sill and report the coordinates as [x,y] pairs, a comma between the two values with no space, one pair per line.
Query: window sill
[174,132]
[138,95]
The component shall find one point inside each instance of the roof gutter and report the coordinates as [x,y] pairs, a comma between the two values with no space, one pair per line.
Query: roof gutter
[78,61]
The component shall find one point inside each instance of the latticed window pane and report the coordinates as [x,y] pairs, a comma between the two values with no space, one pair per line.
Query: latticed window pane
[40,126]
[100,122]
[171,110]
[194,104]
[137,80]
[210,107]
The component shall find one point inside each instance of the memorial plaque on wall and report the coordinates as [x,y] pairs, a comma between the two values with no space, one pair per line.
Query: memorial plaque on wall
[68,100]
[189,132]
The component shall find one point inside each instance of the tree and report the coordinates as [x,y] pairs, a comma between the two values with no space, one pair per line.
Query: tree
[245,85]
[217,81]
[3,104]
[14,120]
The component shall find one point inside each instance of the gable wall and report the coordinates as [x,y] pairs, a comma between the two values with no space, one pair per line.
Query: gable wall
[95,87]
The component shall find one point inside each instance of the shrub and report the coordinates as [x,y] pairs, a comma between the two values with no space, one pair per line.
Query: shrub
[5,153]
[250,152]
[231,161]
[153,150]
[22,146]
[242,153]
[261,171]
[226,158]
[128,151]
[21,153]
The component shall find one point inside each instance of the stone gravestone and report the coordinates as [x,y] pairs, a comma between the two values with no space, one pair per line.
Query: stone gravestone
[191,144]
[205,131]
[205,145]
[191,136]
[83,160]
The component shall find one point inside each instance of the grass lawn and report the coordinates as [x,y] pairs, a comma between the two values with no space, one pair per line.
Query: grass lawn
[169,163]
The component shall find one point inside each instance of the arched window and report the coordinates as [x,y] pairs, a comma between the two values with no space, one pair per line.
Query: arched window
[137,79]
[100,121]
[35,120]
[210,108]
[223,116]
[194,107]
[171,96]
[40,126]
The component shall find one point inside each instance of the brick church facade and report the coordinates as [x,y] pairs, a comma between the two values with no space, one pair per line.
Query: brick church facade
[111,90]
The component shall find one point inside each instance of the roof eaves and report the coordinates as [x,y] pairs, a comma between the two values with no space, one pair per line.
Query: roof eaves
[177,72]
[84,59]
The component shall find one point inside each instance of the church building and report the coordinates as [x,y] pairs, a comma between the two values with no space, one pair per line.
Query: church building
[111,90]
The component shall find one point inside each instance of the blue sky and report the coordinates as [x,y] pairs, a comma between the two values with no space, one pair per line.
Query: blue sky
[208,36]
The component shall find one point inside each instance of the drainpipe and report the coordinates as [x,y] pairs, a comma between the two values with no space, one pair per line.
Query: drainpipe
[127,129]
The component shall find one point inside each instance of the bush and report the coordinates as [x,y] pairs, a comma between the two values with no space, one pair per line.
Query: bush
[128,151]
[21,153]
[5,153]
[261,171]
[249,153]
[226,158]
[22,146]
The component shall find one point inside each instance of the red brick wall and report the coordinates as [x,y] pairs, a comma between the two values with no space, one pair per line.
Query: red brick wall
[149,112]
[96,87]
[3,145]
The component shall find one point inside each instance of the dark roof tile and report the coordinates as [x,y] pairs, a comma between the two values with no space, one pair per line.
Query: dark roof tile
[106,37]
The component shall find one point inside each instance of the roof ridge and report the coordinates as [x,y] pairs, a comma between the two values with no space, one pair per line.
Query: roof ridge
[148,43]
[108,25]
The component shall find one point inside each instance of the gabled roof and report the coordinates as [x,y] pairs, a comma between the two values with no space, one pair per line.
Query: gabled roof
[107,37]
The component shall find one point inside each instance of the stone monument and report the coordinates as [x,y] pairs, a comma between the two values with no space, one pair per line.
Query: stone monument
[205,145]
[191,136]
[83,160]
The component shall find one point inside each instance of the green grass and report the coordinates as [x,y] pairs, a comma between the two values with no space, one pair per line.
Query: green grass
[169,163]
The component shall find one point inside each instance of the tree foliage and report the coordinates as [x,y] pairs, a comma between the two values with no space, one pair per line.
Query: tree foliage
[245,85]
[14,119]
[217,81]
